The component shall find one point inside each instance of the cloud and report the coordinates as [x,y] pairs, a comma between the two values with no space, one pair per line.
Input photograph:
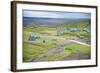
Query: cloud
[54,14]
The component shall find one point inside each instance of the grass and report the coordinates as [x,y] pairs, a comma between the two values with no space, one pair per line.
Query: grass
[70,50]
[69,35]
[52,42]
[59,56]
[73,35]
[32,51]
[75,48]
[49,31]
[86,36]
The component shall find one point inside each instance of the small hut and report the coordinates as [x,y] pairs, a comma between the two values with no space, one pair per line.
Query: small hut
[45,40]
[33,37]
[81,37]
[73,30]
[87,30]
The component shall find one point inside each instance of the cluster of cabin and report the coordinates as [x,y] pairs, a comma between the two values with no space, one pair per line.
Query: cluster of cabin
[62,30]
[74,30]
[34,37]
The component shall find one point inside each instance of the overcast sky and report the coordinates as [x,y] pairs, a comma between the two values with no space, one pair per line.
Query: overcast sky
[53,14]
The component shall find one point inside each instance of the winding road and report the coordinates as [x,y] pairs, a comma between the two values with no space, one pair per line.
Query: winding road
[59,48]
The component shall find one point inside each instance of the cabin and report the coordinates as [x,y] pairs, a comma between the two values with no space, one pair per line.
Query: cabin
[45,40]
[87,30]
[33,37]
[73,29]
[81,37]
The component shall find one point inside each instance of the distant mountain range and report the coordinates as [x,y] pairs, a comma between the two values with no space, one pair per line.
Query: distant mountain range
[48,21]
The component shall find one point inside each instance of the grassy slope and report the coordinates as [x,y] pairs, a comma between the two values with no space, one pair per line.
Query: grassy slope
[68,51]
[32,51]
[79,48]
[80,26]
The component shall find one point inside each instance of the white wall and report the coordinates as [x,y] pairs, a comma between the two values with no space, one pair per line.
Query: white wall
[5,37]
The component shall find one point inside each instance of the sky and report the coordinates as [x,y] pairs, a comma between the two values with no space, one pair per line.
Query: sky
[55,14]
